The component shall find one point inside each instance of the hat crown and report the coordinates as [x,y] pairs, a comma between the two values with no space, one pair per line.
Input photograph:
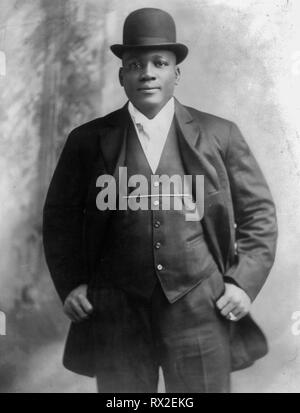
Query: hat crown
[150,28]
[148,24]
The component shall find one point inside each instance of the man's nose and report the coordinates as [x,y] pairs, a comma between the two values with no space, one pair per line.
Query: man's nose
[147,72]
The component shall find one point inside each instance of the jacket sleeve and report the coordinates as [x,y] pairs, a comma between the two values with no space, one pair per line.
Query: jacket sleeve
[63,220]
[255,217]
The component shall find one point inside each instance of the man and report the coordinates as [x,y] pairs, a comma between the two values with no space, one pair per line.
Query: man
[147,287]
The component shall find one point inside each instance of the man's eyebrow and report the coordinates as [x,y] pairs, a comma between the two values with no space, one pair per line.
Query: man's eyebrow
[131,57]
[135,56]
[160,56]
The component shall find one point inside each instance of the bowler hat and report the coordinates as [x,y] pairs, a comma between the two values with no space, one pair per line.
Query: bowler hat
[150,28]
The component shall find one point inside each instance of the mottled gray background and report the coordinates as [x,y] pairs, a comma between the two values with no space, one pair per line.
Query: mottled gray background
[244,65]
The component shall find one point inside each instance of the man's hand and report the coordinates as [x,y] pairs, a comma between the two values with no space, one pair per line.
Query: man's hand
[76,306]
[234,303]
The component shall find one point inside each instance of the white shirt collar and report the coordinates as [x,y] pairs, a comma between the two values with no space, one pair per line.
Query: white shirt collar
[161,121]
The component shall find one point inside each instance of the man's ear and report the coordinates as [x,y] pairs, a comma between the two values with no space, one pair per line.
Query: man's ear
[177,75]
[121,76]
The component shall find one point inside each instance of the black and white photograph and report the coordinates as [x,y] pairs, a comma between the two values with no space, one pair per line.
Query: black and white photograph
[149,198]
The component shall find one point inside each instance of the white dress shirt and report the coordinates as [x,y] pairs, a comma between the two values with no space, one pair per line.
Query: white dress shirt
[153,133]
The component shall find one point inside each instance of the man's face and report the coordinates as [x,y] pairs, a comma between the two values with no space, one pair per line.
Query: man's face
[149,79]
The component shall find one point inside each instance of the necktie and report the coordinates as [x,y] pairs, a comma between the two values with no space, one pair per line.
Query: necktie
[143,128]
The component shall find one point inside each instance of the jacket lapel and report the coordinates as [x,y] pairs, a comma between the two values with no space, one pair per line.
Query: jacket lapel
[194,149]
[197,156]
[113,140]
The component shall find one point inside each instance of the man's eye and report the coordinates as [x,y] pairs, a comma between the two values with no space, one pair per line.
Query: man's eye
[134,66]
[161,63]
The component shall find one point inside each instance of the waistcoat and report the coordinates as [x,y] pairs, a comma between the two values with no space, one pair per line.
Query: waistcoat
[146,246]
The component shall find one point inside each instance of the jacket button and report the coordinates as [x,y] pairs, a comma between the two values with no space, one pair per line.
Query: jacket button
[159,267]
[157,224]
[157,245]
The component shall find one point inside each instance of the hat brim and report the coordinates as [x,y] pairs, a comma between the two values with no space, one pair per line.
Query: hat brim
[180,50]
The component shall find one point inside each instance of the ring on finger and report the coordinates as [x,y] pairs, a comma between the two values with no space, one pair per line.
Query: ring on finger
[231,316]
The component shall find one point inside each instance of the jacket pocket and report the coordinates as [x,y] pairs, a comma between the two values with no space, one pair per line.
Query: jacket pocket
[195,240]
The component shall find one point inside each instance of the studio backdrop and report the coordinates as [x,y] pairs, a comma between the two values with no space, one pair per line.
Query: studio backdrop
[56,72]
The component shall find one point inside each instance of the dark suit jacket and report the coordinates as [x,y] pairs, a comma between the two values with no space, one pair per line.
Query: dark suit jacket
[239,218]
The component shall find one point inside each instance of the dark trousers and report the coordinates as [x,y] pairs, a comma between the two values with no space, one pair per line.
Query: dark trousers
[189,339]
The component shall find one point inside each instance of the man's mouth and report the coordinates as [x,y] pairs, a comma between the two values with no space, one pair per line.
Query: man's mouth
[148,88]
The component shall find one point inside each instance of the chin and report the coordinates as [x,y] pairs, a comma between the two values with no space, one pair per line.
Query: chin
[151,101]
